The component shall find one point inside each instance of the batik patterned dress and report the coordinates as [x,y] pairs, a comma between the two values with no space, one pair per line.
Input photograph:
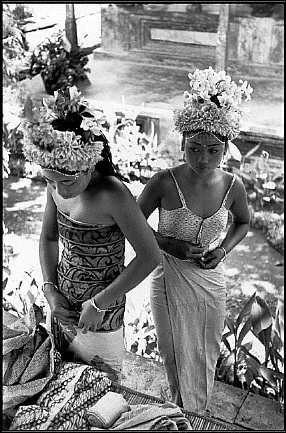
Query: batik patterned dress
[92,257]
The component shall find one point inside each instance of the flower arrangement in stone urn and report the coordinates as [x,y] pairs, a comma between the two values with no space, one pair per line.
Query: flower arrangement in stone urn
[59,66]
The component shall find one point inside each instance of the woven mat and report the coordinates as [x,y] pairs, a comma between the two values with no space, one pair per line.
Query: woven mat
[198,422]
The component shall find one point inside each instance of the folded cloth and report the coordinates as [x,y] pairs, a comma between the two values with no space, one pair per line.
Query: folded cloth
[107,410]
[166,416]
[73,390]
[28,357]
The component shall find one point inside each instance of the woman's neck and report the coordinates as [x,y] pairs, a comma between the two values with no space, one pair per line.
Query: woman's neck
[203,180]
[95,177]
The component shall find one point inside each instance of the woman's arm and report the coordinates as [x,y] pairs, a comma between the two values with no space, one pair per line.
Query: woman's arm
[128,216]
[49,255]
[126,213]
[238,228]
[49,241]
[240,217]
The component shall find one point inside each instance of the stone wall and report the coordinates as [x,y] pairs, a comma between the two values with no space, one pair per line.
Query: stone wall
[166,37]
[176,37]
[256,45]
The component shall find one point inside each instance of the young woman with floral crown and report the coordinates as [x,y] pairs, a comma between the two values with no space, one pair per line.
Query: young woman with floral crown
[91,212]
[194,199]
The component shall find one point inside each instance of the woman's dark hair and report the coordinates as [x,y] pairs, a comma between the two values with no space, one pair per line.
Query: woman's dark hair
[106,166]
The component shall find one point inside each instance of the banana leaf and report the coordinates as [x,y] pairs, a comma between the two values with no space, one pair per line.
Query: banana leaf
[246,310]
[244,331]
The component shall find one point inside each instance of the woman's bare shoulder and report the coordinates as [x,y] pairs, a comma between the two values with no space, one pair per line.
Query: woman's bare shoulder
[235,179]
[112,189]
[161,176]
[238,189]
[159,183]
[228,178]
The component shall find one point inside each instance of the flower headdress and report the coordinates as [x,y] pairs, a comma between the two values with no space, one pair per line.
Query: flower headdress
[213,105]
[63,134]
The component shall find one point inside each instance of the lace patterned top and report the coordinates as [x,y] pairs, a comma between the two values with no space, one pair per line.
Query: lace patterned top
[183,224]
[92,257]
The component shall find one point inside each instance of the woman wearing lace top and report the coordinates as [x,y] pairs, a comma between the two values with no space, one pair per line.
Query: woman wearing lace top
[194,200]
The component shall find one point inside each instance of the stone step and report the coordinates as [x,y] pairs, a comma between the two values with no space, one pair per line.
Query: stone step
[246,411]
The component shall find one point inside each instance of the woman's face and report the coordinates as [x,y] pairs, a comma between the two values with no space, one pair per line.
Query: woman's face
[67,186]
[203,152]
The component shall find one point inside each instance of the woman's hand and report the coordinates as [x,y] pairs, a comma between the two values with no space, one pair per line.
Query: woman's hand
[89,319]
[61,309]
[212,258]
[182,250]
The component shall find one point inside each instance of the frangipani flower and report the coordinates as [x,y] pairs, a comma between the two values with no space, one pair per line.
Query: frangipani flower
[213,104]
[52,148]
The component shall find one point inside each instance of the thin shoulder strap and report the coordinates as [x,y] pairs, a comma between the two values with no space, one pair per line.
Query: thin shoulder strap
[181,195]
[229,188]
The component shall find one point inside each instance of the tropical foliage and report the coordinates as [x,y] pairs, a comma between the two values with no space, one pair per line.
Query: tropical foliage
[140,335]
[15,54]
[58,65]
[265,190]
[252,350]
[12,136]
[134,152]
[265,187]
[272,225]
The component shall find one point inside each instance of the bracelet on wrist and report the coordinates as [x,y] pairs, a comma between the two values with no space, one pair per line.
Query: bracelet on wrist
[52,285]
[99,310]
[224,253]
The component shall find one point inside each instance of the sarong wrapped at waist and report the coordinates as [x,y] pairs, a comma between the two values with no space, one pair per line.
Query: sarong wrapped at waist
[194,300]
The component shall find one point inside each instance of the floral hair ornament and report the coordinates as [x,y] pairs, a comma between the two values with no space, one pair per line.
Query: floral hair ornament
[199,132]
[213,104]
[69,175]
[64,134]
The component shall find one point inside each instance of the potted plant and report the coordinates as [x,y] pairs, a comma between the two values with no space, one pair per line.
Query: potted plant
[58,65]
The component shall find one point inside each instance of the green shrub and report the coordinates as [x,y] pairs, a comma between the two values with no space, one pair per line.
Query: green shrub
[141,337]
[14,47]
[21,12]
[272,225]
[240,364]
[265,187]
[12,136]
[58,66]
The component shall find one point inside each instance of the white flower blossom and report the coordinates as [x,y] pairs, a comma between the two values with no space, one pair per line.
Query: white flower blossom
[213,103]
[87,123]
[47,147]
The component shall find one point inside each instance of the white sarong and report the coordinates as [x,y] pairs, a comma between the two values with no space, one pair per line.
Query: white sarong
[102,349]
[188,305]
